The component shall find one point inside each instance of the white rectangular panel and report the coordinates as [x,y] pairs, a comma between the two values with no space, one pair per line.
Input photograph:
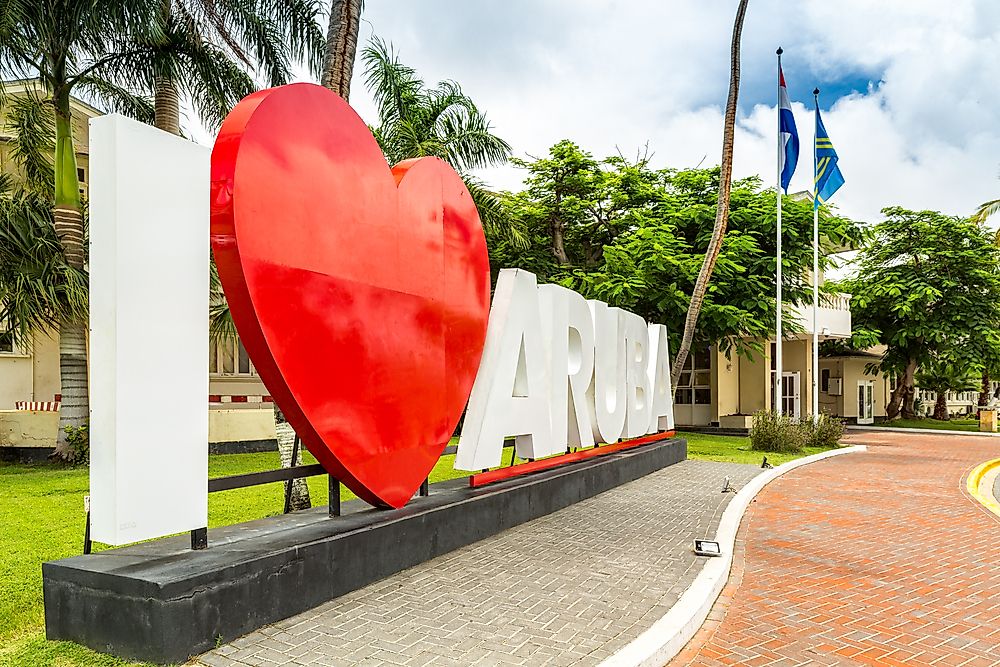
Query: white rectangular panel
[149,254]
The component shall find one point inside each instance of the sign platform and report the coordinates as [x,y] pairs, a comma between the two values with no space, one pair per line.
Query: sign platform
[161,602]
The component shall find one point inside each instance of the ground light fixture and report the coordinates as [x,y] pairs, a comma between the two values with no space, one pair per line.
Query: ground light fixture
[707,548]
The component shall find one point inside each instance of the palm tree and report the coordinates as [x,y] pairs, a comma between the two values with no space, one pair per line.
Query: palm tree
[942,376]
[444,122]
[341,46]
[39,290]
[63,43]
[721,207]
[205,48]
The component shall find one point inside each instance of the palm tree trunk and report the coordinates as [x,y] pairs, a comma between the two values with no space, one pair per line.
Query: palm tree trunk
[286,443]
[984,390]
[167,105]
[941,406]
[67,214]
[341,45]
[74,408]
[722,206]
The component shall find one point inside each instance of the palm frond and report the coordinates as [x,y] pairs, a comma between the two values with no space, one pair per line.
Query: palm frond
[220,318]
[38,289]
[118,99]
[986,210]
[30,122]
[394,86]
[496,221]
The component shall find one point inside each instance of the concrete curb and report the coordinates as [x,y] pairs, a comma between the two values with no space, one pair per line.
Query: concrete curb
[931,431]
[667,636]
[974,485]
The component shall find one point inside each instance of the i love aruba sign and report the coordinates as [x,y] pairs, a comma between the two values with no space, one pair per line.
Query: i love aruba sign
[362,295]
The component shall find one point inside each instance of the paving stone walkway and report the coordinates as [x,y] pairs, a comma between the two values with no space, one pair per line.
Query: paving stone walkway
[879,558]
[567,589]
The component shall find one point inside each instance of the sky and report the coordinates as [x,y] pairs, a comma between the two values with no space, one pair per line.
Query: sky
[908,87]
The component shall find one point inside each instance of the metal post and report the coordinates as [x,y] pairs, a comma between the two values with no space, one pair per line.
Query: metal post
[199,539]
[288,484]
[334,485]
[86,537]
[425,487]
[778,333]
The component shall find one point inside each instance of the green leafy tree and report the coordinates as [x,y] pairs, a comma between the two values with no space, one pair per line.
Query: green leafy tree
[926,283]
[942,375]
[581,204]
[636,238]
[652,267]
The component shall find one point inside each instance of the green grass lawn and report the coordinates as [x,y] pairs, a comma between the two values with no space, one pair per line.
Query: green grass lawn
[41,514]
[950,425]
[735,449]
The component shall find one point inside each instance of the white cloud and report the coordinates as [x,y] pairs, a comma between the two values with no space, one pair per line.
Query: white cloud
[614,75]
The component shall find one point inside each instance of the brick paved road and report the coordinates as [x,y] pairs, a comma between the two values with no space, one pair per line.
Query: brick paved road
[569,588]
[877,558]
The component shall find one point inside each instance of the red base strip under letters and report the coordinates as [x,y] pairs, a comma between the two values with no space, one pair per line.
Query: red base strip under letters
[484,478]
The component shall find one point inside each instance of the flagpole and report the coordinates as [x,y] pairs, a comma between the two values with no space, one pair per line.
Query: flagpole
[778,377]
[815,340]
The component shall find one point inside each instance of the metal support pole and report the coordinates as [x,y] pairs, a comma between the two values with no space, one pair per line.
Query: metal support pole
[288,484]
[199,539]
[334,485]
[425,487]
[87,545]
[778,332]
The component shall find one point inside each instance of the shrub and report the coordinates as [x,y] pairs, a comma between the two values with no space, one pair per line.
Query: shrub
[771,432]
[79,445]
[826,432]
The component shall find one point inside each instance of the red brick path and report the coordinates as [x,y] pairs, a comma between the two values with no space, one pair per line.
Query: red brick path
[878,558]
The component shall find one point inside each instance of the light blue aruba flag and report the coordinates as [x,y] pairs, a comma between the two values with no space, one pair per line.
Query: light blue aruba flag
[828,176]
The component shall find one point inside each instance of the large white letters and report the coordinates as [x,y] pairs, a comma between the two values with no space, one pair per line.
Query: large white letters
[510,396]
[661,416]
[637,377]
[608,389]
[559,371]
[569,333]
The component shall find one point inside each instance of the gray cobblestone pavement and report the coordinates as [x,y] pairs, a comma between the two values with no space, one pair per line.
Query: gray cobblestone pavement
[569,588]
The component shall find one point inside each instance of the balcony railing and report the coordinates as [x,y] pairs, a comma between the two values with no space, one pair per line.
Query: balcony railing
[833,316]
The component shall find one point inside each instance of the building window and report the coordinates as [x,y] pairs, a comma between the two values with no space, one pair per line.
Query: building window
[81,175]
[229,357]
[6,342]
[694,385]
[824,379]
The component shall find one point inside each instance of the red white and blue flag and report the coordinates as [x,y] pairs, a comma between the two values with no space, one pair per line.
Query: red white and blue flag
[788,136]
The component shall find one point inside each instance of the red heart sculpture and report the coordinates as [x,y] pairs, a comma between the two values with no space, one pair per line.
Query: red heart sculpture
[360,293]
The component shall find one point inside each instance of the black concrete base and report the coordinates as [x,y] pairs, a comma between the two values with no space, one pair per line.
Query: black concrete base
[9,454]
[158,601]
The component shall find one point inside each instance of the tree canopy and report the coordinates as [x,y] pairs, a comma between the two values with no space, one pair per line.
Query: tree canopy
[635,237]
[928,288]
